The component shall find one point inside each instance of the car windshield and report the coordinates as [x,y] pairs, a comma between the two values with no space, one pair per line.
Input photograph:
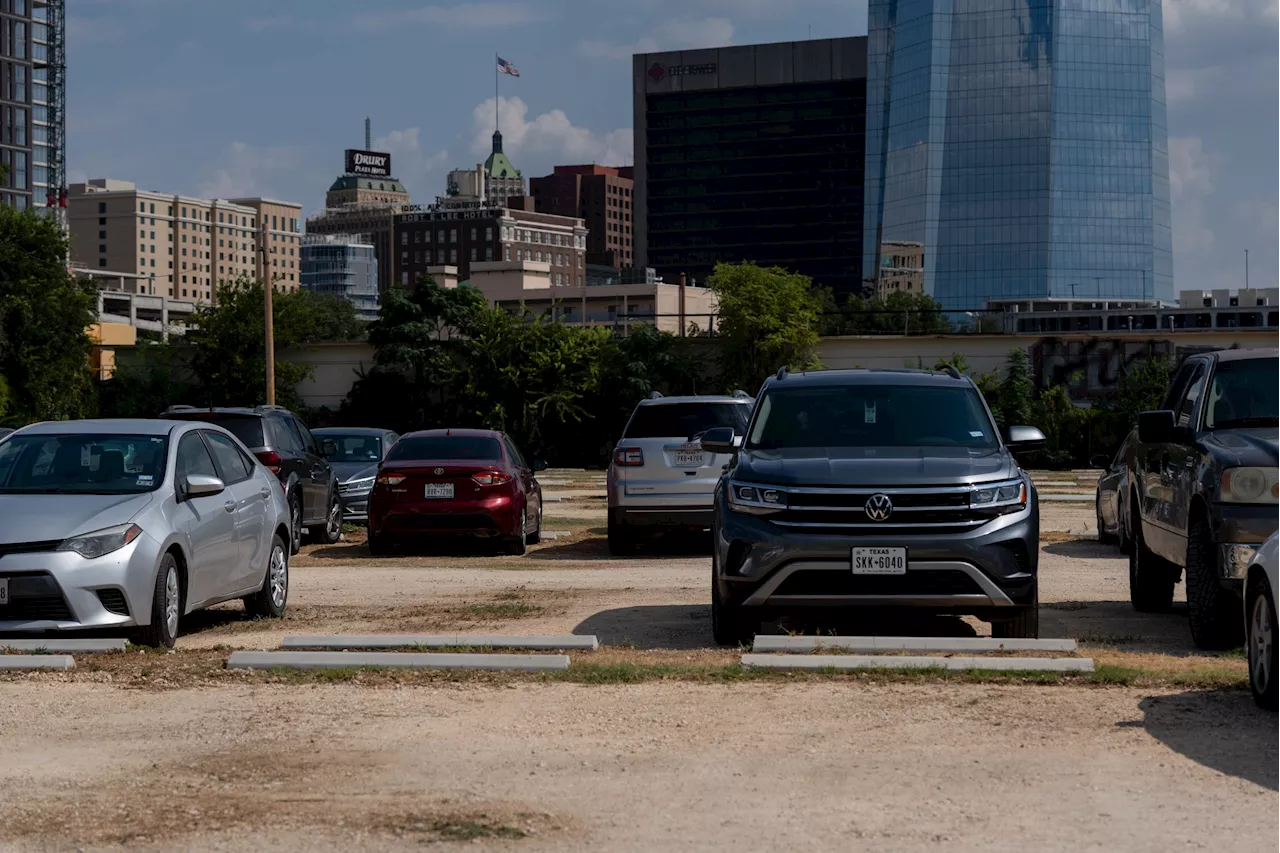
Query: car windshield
[1244,394]
[82,463]
[353,448]
[442,447]
[872,416]
[685,420]
[247,428]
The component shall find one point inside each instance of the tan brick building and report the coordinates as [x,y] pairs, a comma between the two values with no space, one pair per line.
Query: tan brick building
[281,222]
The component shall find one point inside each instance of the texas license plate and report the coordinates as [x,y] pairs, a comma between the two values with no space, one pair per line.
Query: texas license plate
[4,591]
[439,490]
[689,458]
[879,561]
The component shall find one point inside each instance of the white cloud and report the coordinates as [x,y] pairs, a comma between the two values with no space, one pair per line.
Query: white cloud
[414,167]
[678,34]
[550,138]
[248,171]
[1191,179]
[460,16]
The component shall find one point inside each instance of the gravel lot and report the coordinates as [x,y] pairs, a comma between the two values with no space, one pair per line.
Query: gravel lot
[95,760]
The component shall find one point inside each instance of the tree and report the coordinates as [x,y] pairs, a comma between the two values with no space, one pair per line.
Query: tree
[1015,403]
[897,314]
[768,318]
[304,316]
[44,317]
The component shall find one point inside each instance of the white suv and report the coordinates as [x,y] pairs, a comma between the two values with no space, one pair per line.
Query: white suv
[660,476]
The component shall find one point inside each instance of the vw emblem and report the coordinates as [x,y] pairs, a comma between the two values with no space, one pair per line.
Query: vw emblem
[879,507]
[440,471]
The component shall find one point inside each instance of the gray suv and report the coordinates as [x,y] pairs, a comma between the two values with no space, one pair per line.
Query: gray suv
[873,488]
[661,477]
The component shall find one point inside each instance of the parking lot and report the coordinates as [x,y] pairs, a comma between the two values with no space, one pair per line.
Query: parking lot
[653,741]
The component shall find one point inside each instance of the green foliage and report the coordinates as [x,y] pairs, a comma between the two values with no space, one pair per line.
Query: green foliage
[44,315]
[768,318]
[1014,401]
[158,377]
[899,313]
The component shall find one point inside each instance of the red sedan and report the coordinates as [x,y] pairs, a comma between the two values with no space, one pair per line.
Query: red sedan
[455,482]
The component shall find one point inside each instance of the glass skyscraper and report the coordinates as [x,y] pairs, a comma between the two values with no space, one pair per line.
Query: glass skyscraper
[1017,148]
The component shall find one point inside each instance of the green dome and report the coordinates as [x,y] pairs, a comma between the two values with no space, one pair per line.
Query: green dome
[364,182]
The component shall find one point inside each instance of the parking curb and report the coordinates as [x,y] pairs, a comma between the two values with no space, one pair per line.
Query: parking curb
[60,662]
[395,660]
[851,662]
[332,642]
[873,645]
[69,645]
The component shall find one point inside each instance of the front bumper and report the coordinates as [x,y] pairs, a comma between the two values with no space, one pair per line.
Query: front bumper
[989,568]
[61,591]
[1240,530]
[355,505]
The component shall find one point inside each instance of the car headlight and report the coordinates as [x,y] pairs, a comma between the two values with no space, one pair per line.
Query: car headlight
[1013,492]
[757,500]
[1249,486]
[358,485]
[102,542]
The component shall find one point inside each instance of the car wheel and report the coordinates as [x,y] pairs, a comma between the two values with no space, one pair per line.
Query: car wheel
[1023,626]
[1103,536]
[1215,614]
[1261,610]
[166,608]
[331,532]
[1151,578]
[622,542]
[536,536]
[515,545]
[269,602]
[731,624]
[379,545]
[295,523]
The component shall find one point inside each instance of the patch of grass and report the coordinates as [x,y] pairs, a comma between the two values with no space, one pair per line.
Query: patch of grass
[1066,605]
[469,830]
[502,610]
[1110,639]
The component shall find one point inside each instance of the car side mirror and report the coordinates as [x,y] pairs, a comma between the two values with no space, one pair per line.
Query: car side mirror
[1157,427]
[202,486]
[328,448]
[719,440]
[1099,462]
[1024,439]
[539,465]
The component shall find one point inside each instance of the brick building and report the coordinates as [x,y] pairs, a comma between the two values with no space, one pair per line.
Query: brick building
[599,195]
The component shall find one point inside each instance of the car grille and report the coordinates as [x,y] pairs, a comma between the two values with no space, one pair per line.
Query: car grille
[922,510]
[919,582]
[34,595]
[29,547]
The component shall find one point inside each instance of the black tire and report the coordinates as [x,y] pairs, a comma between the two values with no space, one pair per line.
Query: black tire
[536,536]
[270,601]
[1214,611]
[731,624]
[295,523]
[622,541]
[1025,625]
[1151,578]
[515,546]
[163,632]
[1260,613]
[330,533]
[1104,537]
[379,545]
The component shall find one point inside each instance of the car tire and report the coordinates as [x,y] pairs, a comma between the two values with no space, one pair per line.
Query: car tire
[1104,537]
[1260,612]
[379,545]
[515,546]
[295,523]
[536,536]
[731,624]
[166,607]
[1214,611]
[1151,578]
[622,542]
[330,533]
[270,601]
[1025,625]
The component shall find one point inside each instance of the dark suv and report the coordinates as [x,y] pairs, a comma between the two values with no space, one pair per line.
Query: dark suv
[1203,489]
[284,444]
[874,488]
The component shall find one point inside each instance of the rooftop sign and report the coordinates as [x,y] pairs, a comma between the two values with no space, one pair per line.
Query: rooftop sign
[373,163]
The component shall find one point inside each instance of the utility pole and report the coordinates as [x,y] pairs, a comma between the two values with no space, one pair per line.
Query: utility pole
[1246,269]
[268,321]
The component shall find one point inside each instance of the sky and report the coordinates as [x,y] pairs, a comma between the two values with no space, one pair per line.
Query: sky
[225,98]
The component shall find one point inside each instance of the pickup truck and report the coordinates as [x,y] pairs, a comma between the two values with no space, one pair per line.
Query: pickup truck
[1203,489]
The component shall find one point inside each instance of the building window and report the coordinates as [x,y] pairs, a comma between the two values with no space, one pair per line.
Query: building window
[508,253]
[102,207]
[473,235]
[453,235]
[488,253]
[453,256]
[473,253]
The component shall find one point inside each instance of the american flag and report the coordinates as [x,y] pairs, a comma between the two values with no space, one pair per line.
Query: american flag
[505,67]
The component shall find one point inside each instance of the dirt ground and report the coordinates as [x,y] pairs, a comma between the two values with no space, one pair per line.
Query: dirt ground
[101,759]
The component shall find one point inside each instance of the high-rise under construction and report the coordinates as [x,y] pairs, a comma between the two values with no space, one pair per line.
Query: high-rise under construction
[33,143]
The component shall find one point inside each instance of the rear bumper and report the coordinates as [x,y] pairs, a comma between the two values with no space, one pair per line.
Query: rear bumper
[496,516]
[668,516]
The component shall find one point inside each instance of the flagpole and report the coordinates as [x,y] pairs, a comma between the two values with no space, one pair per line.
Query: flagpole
[495,92]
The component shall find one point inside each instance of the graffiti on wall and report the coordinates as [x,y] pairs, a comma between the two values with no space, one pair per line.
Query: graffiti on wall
[1092,367]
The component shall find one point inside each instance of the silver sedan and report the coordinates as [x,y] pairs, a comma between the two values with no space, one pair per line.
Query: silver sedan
[132,524]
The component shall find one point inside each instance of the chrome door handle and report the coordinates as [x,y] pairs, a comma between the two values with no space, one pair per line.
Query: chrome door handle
[229,506]
[265,494]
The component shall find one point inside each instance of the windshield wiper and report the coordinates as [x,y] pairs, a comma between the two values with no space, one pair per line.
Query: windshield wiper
[1254,421]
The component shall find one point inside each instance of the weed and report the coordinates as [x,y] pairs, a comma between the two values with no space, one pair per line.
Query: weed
[469,830]
[1111,639]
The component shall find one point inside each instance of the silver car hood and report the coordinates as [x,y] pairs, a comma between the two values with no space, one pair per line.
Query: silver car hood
[44,518]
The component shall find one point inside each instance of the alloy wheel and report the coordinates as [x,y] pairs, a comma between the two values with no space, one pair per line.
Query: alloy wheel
[279,576]
[334,521]
[1261,636]
[171,601]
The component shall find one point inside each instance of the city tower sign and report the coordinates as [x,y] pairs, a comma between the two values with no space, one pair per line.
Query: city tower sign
[373,163]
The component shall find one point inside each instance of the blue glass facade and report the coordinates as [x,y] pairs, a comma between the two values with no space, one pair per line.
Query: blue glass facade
[1017,148]
[345,269]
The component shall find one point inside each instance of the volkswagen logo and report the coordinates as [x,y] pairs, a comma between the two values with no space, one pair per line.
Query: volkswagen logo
[440,471]
[879,507]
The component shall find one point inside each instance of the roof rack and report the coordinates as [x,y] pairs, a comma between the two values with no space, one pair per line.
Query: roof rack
[955,373]
[655,395]
[270,407]
[783,372]
[741,395]
[180,408]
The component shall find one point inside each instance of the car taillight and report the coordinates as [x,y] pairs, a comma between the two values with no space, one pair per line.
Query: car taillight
[391,479]
[269,458]
[491,478]
[628,457]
